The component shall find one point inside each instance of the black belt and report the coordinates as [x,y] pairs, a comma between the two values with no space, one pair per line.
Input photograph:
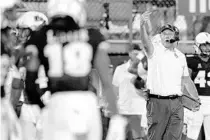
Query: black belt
[163,97]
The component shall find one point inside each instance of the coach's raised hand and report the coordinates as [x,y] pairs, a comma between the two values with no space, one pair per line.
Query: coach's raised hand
[145,18]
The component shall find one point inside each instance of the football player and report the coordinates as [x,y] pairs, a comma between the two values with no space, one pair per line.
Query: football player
[68,51]
[29,113]
[10,127]
[199,66]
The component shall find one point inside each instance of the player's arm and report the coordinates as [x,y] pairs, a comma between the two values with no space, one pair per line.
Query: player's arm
[145,38]
[192,66]
[32,67]
[188,83]
[14,85]
[16,90]
[102,63]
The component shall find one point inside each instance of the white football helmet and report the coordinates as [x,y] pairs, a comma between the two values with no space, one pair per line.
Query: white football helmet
[72,8]
[201,38]
[32,20]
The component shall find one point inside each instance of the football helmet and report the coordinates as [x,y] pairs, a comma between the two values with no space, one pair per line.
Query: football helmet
[32,20]
[72,8]
[202,38]
[201,42]
[28,22]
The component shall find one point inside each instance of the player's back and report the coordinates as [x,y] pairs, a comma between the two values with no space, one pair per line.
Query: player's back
[200,74]
[67,53]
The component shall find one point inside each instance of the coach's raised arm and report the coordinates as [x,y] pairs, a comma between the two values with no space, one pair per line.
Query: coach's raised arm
[145,33]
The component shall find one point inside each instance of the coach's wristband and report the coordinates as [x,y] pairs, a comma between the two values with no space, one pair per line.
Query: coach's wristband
[17,83]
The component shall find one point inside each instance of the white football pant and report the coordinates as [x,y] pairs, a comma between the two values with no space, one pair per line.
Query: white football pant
[194,120]
[72,115]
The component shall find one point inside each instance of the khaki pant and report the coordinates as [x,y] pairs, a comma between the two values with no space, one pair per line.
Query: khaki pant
[165,119]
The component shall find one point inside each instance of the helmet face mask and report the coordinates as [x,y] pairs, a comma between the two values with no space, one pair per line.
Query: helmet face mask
[23,34]
[205,49]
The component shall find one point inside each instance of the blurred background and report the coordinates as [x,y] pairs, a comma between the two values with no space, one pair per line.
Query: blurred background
[119,20]
[115,15]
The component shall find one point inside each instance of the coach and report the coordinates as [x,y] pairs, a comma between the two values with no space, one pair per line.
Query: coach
[167,73]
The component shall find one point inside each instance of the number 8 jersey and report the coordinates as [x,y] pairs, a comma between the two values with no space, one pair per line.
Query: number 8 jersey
[200,74]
